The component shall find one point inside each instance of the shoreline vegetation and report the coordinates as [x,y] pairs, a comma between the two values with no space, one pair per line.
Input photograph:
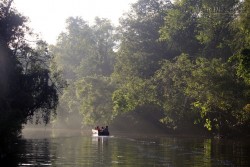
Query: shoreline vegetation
[180,68]
[50,132]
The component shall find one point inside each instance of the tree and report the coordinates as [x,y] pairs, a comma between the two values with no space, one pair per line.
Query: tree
[85,50]
[218,94]
[94,94]
[27,86]
[73,47]
[201,27]
[86,58]
[139,54]
[170,84]
[140,50]
[203,92]
[180,27]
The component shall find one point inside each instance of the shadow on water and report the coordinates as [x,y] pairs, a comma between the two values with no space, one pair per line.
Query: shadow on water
[122,150]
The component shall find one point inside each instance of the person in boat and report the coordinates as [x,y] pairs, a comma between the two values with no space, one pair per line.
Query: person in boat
[101,132]
[97,128]
[106,131]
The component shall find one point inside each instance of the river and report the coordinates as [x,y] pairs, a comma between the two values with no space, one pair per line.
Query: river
[81,149]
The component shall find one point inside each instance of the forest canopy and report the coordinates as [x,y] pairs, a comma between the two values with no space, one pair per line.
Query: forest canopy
[187,59]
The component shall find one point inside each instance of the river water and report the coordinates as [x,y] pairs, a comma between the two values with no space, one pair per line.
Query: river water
[129,150]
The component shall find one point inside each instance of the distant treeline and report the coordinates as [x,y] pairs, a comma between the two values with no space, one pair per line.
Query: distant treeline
[189,60]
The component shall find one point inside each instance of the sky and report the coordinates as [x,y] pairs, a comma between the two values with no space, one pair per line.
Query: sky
[47,17]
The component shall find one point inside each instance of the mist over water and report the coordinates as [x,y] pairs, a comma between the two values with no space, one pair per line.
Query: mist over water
[134,123]
[47,133]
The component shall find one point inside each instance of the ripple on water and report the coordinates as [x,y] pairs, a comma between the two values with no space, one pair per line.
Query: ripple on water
[120,151]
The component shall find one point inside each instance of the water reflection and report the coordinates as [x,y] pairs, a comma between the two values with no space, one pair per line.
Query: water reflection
[133,151]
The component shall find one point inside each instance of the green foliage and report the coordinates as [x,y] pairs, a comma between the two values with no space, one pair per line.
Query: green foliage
[242,42]
[241,62]
[135,93]
[84,50]
[207,92]
[86,58]
[171,82]
[94,95]
[140,50]
[27,87]
[180,27]
[139,54]
[242,27]
[214,88]
[204,91]
[173,57]
[201,27]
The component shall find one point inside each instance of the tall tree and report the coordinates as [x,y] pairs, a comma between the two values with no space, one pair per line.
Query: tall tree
[203,93]
[140,50]
[86,57]
[170,83]
[139,54]
[219,95]
[27,86]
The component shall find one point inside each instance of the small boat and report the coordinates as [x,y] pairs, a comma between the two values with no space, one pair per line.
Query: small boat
[96,133]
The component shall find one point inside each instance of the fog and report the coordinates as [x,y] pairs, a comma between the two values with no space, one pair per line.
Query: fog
[44,133]
[134,123]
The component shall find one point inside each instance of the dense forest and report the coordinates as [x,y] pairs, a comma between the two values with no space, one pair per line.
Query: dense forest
[28,87]
[188,60]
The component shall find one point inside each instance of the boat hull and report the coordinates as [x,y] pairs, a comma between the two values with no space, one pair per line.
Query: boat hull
[96,133]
